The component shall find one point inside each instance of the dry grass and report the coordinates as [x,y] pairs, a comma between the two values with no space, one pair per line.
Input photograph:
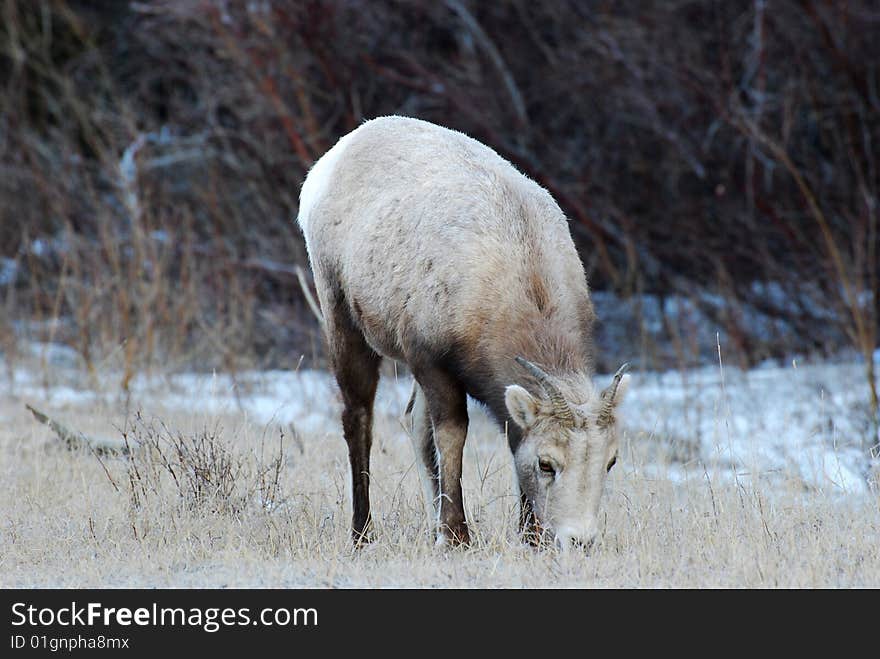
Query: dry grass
[274,512]
[161,149]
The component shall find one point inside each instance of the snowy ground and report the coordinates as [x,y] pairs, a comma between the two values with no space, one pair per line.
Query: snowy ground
[804,422]
[726,478]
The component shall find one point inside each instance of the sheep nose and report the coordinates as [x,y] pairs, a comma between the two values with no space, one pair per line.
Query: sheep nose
[579,539]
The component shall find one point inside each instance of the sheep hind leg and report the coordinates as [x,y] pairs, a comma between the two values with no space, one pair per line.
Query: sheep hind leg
[422,434]
[356,367]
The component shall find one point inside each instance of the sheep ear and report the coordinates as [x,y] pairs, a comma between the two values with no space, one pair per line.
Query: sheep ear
[522,406]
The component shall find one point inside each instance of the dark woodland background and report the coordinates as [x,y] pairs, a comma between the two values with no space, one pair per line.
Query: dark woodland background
[718,162]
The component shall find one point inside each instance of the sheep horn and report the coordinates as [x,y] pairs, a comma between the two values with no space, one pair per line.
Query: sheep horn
[561,408]
[608,407]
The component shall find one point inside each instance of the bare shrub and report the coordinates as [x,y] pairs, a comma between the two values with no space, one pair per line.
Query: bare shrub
[200,472]
[720,153]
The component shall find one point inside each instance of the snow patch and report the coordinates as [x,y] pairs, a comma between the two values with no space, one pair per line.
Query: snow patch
[804,425]
[8,271]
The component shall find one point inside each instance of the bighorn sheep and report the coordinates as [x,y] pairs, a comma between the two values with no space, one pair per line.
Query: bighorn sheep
[429,248]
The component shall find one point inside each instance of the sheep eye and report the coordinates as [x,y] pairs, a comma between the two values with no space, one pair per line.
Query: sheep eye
[546,467]
[612,463]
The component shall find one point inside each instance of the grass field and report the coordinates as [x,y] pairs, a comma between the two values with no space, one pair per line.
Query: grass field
[246,484]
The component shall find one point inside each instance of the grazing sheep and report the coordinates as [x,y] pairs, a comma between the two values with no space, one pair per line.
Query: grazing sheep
[429,248]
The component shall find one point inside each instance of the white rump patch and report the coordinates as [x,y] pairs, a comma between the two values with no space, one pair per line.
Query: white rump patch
[318,179]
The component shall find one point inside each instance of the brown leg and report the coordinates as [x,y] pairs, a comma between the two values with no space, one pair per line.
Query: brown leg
[447,405]
[426,451]
[356,367]
[528,527]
